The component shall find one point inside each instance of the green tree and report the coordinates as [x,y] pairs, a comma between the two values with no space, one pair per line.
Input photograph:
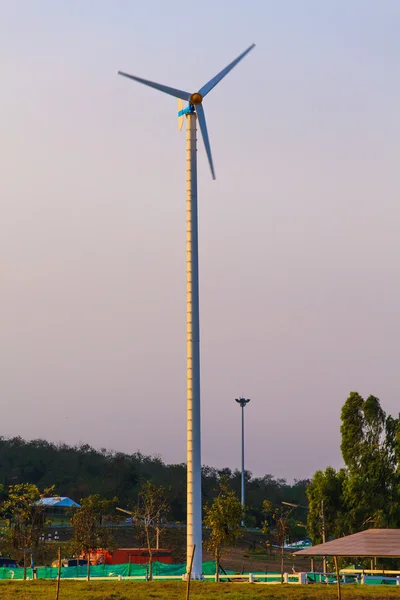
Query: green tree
[151,509]
[326,490]
[267,509]
[223,518]
[366,492]
[278,524]
[3,492]
[370,492]
[91,526]
[23,513]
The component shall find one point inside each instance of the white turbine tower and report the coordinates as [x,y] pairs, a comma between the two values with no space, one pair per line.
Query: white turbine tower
[193,110]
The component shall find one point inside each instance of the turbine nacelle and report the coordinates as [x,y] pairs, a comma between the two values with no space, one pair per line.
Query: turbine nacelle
[195,100]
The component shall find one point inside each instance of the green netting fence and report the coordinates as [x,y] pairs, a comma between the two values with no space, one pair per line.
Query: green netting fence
[125,570]
[161,569]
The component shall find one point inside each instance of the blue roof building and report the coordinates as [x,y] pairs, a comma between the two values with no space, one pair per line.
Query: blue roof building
[59,502]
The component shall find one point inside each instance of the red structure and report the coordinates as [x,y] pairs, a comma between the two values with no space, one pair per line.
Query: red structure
[140,556]
[120,556]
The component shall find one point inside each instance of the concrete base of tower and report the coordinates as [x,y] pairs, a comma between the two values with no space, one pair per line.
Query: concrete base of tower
[193,577]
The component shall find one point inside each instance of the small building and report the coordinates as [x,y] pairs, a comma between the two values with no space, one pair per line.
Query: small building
[58,505]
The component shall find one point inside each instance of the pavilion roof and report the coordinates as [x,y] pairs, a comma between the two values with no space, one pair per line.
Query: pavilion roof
[372,542]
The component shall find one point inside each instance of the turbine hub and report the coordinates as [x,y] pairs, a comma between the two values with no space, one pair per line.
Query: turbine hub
[196,98]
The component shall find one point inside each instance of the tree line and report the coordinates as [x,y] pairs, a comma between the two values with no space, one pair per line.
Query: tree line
[81,471]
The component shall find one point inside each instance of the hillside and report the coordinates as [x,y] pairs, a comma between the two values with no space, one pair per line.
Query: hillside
[78,471]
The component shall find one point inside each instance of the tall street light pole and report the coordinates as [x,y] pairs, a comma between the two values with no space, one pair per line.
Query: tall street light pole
[242,402]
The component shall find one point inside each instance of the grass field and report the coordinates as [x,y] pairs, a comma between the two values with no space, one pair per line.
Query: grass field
[175,590]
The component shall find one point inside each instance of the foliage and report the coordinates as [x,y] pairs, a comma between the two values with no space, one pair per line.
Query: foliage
[23,514]
[90,528]
[79,471]
[3,492]
[223,517]
[278,525]
[151,509]
[368,449]
[327,487]
[366,492]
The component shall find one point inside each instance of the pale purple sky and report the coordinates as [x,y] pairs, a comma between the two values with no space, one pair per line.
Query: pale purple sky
[299,234]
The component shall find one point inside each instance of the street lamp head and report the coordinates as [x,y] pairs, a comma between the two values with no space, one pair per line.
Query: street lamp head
[242,401]
[295,505]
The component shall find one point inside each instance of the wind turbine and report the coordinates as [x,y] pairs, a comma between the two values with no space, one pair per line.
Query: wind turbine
[193,111]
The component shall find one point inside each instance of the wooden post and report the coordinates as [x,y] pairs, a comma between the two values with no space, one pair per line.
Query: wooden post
[58,573]
[189,573]
[339,591]
[88,566]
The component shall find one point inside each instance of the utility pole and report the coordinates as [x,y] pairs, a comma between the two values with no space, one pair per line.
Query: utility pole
[323,532]
[158,532]
[322,525]
[242,402]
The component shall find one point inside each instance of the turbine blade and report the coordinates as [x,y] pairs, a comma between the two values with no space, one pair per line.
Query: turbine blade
[180,117]
[213,82]
[203,128]
[158,86]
